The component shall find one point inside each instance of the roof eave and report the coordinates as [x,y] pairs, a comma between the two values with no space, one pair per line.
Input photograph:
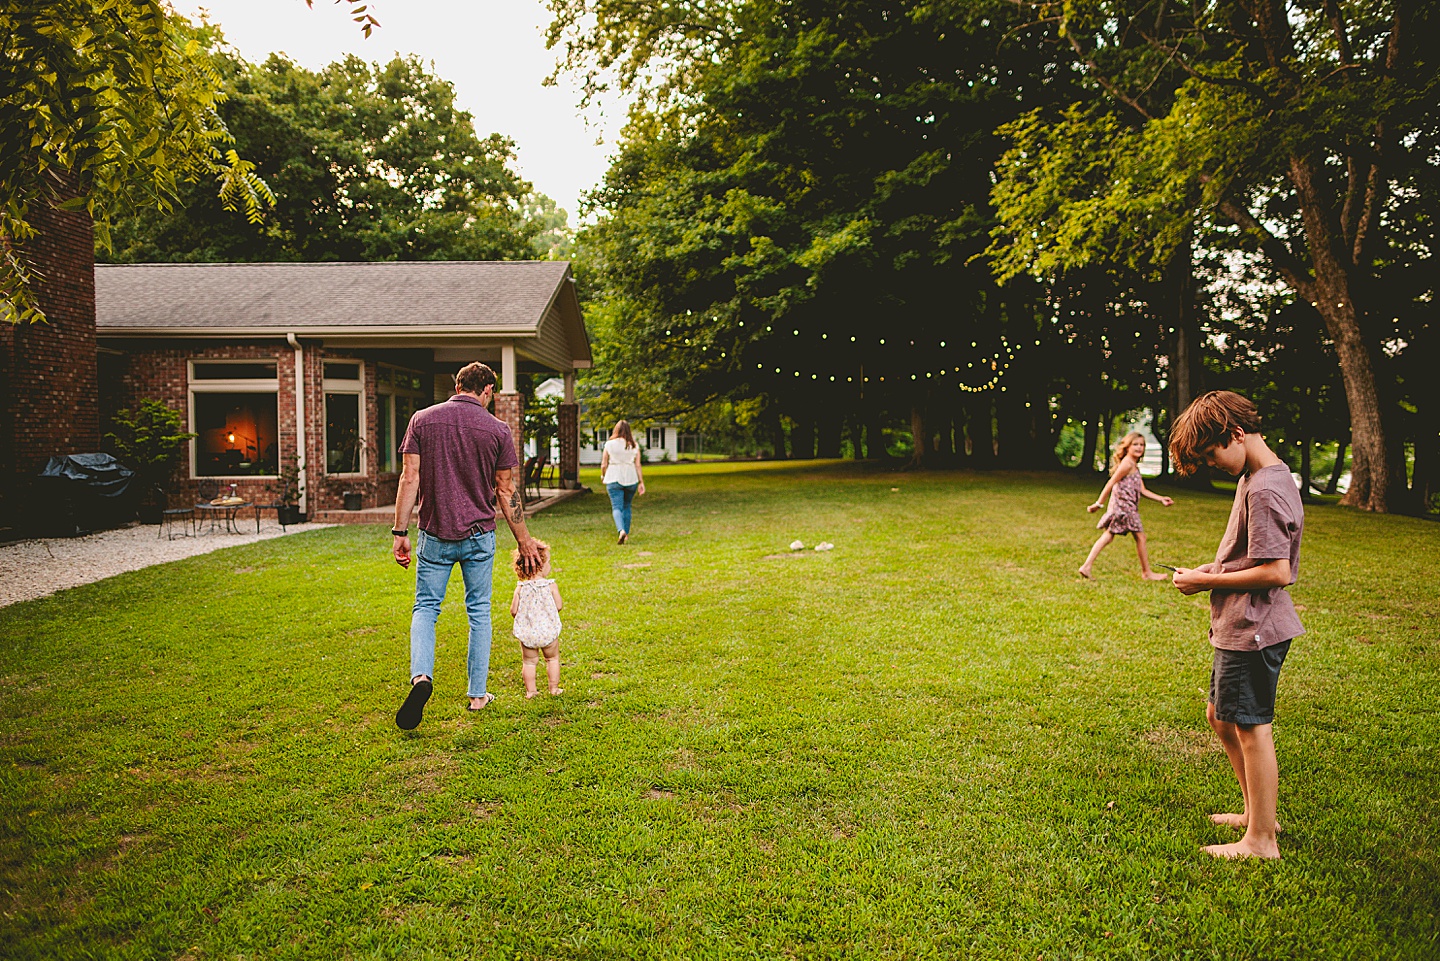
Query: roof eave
[388,332]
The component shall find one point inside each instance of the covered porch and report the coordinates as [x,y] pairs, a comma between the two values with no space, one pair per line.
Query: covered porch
[309,373]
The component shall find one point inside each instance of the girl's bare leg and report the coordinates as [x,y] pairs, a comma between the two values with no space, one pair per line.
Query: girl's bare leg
[1105,538]
[1145,570]
[528,659]
[552,667]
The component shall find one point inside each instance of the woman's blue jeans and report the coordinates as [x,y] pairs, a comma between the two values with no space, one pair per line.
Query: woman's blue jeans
[435,559]
[620,497]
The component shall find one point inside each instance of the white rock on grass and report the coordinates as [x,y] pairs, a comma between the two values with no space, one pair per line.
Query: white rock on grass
[824,546]
[797,545]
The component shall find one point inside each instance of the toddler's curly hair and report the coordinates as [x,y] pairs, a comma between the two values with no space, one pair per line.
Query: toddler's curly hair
[1209,422]
[544,556]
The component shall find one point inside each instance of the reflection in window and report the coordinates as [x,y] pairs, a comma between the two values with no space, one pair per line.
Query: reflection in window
[342,433]
[236,434]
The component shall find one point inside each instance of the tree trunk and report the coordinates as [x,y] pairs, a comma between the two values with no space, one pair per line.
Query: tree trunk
[944,451]
[979,427]
[802,438]
[827,434]
[1105,451]
[1334,484]
[1332,294]
[875,435]
[1087,456]
[856,432]
[1305,468]
[777,435]
[1185,366]
[918,437]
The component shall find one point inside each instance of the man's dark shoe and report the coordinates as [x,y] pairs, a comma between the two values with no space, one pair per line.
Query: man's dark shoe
[410,713]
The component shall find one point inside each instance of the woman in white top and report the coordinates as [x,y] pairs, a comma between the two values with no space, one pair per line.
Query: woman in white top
[620,473]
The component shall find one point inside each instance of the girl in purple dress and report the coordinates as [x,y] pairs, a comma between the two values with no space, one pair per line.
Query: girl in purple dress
[1125,488]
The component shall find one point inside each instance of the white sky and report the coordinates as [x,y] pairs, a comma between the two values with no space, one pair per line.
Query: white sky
[493,51]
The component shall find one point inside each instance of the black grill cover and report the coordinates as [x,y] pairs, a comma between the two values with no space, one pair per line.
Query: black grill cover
[84,492]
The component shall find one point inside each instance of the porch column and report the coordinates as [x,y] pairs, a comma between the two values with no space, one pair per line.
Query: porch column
[510,409]
[567,420]
[509,405]
[509,370]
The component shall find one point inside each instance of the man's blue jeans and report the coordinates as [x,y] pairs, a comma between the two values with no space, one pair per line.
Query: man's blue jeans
[434,561]
[620,497]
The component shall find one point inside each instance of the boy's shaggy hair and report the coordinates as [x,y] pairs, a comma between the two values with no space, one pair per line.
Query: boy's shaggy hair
[1208,423]
[544,556]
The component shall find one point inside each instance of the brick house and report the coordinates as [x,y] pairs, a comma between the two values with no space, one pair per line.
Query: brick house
[325,363]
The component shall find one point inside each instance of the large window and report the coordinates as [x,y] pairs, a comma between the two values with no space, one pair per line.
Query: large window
[399,394]
[233,412]
[344,417]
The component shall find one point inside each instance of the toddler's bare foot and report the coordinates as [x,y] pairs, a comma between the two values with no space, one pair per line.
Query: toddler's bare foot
[1237,821]
[1244,848]
[556,691]
[530,694]
[1085,573]
[1154,576]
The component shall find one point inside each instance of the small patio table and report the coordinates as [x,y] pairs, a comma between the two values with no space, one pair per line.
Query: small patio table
[223,514]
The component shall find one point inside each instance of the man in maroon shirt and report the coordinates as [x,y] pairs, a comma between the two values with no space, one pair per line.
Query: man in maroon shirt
[460,460]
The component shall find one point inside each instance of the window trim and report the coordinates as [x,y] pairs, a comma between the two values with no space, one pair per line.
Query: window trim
[330,386]
[244,386]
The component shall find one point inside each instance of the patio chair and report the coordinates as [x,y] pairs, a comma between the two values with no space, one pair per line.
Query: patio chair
[532,471]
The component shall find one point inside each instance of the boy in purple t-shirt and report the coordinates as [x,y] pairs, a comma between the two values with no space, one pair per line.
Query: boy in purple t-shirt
[1252,619]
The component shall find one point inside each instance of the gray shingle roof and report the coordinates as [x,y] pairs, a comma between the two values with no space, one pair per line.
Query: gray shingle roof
[494,295]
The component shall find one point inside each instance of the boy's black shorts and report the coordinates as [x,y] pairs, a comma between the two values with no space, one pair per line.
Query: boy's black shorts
[1242,684]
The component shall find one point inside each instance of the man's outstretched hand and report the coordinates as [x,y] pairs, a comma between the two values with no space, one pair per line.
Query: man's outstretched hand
[530,561]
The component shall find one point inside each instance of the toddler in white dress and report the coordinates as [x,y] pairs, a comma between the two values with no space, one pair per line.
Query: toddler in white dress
[536,608]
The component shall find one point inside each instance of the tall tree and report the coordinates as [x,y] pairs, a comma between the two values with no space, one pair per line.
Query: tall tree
[115,99]
[366,162]
[1294,122]
[796,209]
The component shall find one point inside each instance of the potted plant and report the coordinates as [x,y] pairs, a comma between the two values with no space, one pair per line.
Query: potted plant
[287,492]
[148,439]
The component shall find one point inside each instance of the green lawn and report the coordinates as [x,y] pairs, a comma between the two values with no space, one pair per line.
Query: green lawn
[934,741]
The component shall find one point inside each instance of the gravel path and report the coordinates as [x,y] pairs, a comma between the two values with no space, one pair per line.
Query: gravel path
[35,568]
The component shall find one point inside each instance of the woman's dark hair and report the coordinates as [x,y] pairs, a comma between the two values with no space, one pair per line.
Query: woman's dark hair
[622,429]
[474,378]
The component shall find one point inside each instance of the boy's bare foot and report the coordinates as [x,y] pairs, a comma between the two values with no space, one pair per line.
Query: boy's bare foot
[1239,821]
[530,694]
[1154,576]
[556,691]
[1085,573]
[1243,848]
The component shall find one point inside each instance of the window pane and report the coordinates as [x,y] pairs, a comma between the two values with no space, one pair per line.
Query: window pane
[404,408]
[261,370]
[383,443]
[236,434]
[335,371]
[342,433]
